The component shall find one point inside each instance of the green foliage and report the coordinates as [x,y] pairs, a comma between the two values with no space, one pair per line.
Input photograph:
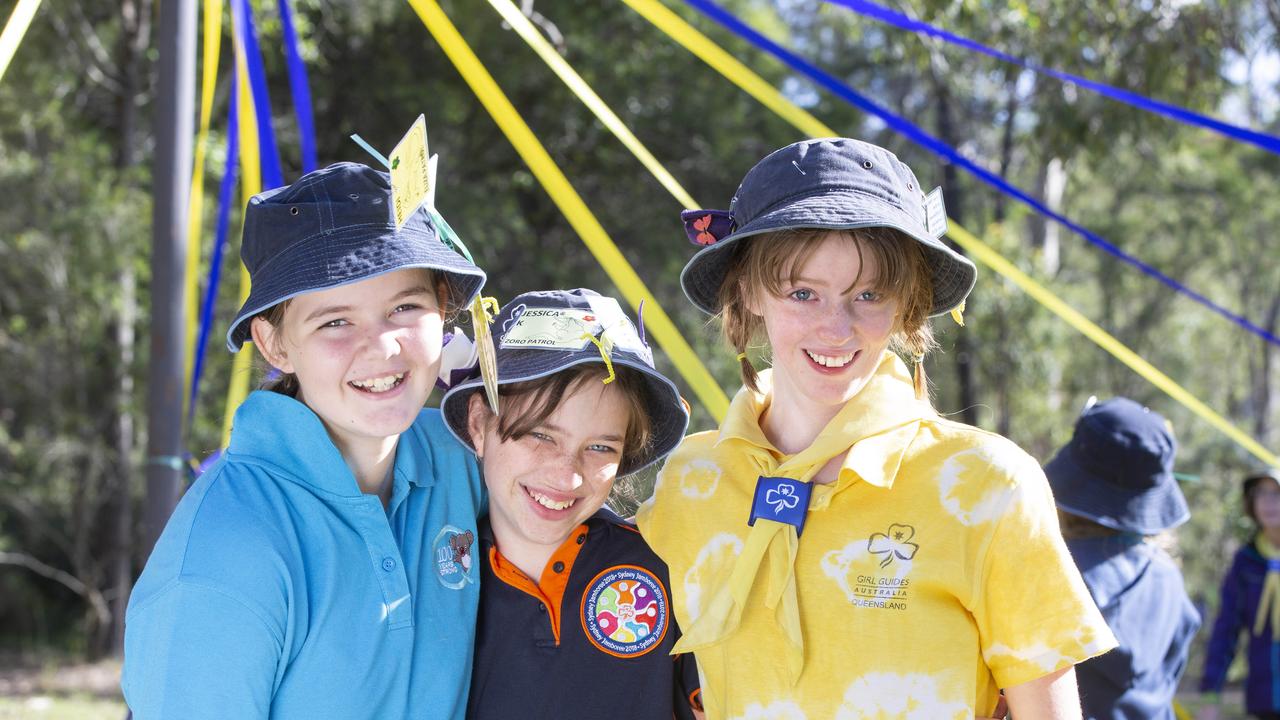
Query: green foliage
[1198,207]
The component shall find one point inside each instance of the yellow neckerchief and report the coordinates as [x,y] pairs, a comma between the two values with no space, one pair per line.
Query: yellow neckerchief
[1269,603]
[872,430]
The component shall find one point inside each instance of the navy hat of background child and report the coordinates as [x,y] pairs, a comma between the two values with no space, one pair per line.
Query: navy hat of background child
[334,227]
[529,346]
[1118,470]
[831,183]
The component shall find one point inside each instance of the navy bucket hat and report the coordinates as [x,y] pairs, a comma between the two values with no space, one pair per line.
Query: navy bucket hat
[539,334]
[1118,470]
[334,227]
[831,183]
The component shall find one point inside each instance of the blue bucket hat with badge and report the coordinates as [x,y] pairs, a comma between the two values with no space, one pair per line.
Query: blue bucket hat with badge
[538,334]
[336,226]
[1117,470]
[831,183]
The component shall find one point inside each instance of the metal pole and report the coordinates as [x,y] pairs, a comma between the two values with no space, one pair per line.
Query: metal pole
[174,126]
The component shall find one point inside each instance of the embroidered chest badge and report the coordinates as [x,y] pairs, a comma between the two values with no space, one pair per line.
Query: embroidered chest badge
[625,611]
[454,561]
[781,499]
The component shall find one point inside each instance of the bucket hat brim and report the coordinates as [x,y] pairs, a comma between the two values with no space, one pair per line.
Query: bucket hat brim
[1143,511]
[666,411]
[351,255]
[953,274]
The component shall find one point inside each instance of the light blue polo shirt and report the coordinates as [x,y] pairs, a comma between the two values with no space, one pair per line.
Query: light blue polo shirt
[279,590]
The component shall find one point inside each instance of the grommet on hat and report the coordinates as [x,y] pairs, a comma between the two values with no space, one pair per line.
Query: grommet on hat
[336,226]
[538,334]
[831,183]
[1118,470]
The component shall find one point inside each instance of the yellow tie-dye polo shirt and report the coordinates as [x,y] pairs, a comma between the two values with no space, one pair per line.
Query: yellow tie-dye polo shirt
[928,576]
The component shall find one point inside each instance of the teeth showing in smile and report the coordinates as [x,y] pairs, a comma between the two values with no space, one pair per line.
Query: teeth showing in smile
[547,502]
[830,361]
[378,384]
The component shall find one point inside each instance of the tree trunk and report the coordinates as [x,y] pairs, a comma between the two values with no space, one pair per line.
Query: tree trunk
[955,204]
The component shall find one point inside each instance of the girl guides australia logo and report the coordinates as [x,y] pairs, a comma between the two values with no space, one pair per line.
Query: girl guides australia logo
[624,611]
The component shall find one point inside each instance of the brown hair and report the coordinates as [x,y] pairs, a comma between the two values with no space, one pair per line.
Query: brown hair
[1075,527]
[769,260]
[287,383]
[533,401]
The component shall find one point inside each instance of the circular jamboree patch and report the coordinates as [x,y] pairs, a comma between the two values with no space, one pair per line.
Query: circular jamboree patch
[624,611]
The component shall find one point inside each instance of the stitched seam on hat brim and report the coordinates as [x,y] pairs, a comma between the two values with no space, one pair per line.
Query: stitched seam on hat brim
[342,233]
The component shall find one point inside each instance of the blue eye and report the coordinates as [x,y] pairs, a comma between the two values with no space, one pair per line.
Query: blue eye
[803,295]
[335,323]
[871,296]
[603,449]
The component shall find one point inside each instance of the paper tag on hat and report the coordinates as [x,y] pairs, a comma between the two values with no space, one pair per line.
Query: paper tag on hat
[410,172]
[935,214]
[564,328]
[485,353]
[551,329]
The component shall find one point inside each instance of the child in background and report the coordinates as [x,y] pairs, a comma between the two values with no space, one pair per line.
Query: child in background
[840,550]
[1250,602]
[575,620]
[1115,489]
[322,567]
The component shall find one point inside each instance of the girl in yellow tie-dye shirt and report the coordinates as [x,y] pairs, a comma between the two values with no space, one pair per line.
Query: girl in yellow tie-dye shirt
[837,549]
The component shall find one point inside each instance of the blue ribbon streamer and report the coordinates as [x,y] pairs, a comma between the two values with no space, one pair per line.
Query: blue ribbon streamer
[1265,141]
[300,88]
[225,199]
[268,153]
[941,149]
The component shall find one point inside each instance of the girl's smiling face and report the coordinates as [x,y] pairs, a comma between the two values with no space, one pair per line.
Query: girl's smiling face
[829,326]
[547,481]
[365,355]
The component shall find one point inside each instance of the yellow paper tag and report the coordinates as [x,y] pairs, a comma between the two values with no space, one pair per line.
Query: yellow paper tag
[487,355]
[410,174]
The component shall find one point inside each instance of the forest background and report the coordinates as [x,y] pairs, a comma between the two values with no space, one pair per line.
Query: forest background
[76,143]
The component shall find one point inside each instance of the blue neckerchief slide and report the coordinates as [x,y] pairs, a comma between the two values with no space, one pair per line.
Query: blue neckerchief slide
[783,500]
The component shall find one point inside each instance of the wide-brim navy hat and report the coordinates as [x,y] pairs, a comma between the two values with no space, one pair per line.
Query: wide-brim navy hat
[1118,470]
[539,334]
[832,183]
[334,227]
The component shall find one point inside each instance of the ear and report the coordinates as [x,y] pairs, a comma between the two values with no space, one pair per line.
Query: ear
[269,341]
[478,417]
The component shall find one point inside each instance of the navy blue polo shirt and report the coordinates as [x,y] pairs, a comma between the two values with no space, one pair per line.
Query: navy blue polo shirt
[591,638]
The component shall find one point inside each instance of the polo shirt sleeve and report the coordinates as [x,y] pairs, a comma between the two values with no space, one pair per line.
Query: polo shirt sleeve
[196,651]
[1034,614]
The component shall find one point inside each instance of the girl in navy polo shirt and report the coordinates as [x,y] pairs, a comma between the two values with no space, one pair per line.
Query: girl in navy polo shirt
[575,618]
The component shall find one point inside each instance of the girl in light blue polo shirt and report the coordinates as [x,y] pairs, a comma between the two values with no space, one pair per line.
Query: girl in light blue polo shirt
[324,567]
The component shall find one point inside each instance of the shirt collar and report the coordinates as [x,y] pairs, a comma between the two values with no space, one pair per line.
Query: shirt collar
[281,431]
[873,430]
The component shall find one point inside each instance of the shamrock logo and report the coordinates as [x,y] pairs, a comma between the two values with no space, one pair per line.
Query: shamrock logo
[701,225]
[894,542]
[515,315]
[780,497]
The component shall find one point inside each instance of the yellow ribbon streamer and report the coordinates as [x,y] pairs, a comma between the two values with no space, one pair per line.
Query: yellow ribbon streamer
[571,205]
[1269,603]
[212,39]
[15,29]
[742,76]
[525,29]
[251,184]
[608,361]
